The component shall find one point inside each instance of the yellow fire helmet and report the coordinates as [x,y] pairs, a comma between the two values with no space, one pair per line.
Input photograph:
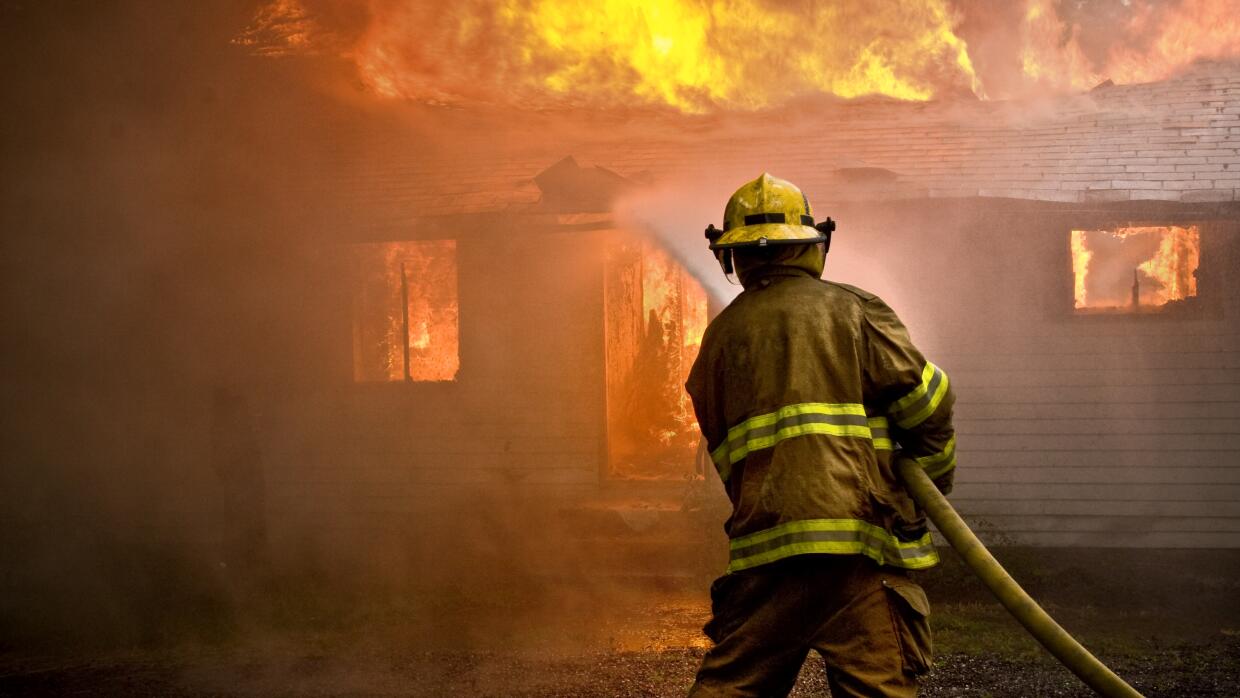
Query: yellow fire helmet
[768,211]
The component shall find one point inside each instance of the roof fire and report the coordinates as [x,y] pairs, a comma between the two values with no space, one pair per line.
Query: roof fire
[744,54]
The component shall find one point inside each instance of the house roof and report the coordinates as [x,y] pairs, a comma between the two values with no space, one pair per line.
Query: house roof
[1177,140]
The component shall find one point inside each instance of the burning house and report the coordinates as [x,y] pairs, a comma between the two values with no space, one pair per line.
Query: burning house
[356,333]
[495,318]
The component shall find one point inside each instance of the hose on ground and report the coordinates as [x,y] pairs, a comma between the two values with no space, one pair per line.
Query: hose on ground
[1038,622]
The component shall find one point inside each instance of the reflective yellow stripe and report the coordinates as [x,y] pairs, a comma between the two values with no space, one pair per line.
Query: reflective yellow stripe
[766,430]
[922,401]
[937,464]
[832,536]
[927,372]
[803,408]
[880,432]
[759,443]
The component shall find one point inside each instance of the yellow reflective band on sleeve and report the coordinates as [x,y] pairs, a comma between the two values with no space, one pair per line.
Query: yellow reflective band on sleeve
[937,464]
[880,433]
[831,536]
[922,401]
[766,430]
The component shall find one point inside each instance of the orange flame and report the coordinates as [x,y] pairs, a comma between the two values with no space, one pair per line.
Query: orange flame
[1051,55]
[1157,41]
[1081,257]
[1180,34]
[692,55]
[379,325]
[689,55]
[655,318]
[280,28]
[1155,265]
[703,55]
[1173,267]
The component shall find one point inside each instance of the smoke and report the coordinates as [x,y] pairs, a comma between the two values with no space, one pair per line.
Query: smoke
[181,456]
[675,215]
[152,256]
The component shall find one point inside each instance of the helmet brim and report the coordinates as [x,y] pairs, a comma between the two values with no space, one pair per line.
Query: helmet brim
[765,234]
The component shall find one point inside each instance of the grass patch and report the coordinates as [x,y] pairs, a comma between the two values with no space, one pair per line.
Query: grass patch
[977,629]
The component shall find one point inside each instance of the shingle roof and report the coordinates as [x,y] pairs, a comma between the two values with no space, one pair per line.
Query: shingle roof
[1176,140]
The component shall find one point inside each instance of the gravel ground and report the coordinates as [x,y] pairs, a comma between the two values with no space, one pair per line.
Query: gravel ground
[1173,672]
[611,641]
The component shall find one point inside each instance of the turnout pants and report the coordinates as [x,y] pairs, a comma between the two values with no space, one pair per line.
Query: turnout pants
[868,623]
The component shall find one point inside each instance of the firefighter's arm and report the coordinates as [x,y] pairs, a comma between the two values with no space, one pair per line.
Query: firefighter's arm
[703,388]
[917,394]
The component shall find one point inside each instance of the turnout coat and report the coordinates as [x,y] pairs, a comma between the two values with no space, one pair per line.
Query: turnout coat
[805,391]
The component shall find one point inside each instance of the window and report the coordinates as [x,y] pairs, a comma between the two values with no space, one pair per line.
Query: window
[405,312]
[1139,269]
[655,316]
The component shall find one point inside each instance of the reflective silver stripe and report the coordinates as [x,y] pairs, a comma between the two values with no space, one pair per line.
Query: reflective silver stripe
[880,433]
[937,464]
[756,438]
[831,536]
[865,537]
[766,430]
[922,401]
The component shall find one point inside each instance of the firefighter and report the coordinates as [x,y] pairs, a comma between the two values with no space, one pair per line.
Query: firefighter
[805,391]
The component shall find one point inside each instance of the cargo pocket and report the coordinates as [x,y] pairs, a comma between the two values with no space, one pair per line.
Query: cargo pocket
[910,611]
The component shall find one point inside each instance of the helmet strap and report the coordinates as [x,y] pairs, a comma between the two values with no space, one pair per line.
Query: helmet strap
[725,263]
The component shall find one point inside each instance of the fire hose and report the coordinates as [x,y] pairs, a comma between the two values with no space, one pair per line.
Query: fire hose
[1038,622]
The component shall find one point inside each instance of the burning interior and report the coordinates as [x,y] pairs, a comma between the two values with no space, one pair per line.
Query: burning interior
[405,312]
[1135,268]
[655,317]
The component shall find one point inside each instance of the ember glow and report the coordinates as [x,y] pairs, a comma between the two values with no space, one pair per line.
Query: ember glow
[1134,268]
[711,55]
[655,317]
[424,273]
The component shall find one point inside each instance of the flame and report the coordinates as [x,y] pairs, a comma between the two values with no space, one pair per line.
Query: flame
[433,312]
[1156,265]
[705,55]
[1080,267]
[280,28]
[1051,54]
[655,317]
[1180,35]
[692,55]
[1175,263]
[1157,40]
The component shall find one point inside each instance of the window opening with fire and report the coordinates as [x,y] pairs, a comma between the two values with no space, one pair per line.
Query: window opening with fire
[405,312]
[655,316]
[1135,269]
